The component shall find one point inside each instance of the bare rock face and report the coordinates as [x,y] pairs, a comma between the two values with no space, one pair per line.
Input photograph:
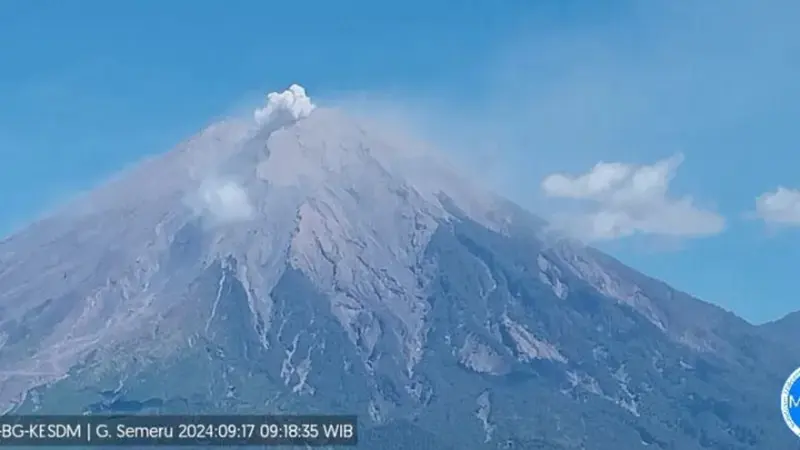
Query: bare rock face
[300,262]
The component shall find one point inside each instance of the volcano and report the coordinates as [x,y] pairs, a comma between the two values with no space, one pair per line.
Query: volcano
[300,261]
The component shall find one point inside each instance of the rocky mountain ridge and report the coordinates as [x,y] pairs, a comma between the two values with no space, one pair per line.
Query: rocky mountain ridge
[301,262]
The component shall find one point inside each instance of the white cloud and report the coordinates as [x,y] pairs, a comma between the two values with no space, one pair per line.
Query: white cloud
[225,201]
[780,207]
[292,104]
[627,199]
[602,178]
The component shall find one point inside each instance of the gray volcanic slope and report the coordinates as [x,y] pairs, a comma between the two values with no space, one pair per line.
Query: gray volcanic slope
[316,266]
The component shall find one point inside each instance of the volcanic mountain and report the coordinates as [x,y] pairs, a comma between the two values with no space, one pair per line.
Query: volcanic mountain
[303,262]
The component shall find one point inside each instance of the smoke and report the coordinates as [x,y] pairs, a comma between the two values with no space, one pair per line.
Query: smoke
[225,201]
[292,104]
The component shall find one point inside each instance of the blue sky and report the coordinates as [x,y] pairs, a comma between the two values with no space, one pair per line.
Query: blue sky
[527,91]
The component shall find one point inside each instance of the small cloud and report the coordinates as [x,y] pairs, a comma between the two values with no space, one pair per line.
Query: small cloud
[599,181]
[781,207]
[291,104]
[225,201]
[627,199]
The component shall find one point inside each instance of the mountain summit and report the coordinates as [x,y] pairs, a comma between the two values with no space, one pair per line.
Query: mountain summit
[300,262]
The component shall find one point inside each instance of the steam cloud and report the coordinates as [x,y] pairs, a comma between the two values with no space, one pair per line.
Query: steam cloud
[292,102]
[226,201]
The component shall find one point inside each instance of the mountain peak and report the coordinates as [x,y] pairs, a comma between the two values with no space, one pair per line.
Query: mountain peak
[319,194]
[303,261]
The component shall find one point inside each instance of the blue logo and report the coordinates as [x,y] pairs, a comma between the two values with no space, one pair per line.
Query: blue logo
[790,402]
